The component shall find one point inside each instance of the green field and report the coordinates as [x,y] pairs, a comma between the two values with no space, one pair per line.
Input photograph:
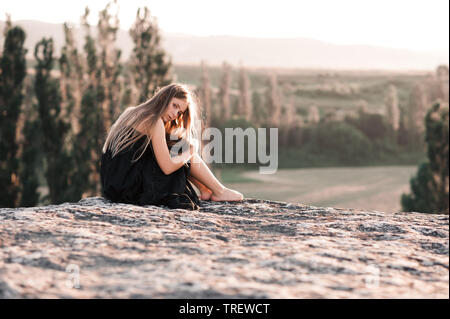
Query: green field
[370,188]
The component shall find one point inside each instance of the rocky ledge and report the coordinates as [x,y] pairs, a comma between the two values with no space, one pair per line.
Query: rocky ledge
[250,249]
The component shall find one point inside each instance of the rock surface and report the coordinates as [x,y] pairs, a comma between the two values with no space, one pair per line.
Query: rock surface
[249,249]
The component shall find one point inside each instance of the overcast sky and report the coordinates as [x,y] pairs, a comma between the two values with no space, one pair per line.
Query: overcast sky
[420,25]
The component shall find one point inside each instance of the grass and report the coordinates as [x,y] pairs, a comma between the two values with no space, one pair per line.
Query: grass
[233,175]
[367,188]
[299,158]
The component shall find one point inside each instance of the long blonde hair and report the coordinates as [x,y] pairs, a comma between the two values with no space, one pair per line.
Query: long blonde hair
[124,131]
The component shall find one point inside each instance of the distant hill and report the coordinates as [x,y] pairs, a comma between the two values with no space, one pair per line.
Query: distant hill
[254,52]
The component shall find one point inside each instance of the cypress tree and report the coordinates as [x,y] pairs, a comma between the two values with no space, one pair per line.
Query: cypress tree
[71,81]
[430,188]
[100,99]
[30,153]
[296,135]
[362,107]
[72,85]
[417,111]
[313,115]
[273,101]
[224,93]
[128,90]
[259,111]
[245,103]
[442,76]
[403,136]
[88,140]
[150,66]
[288,121]
[54,129]
[109,64]
[392,109]
[12,74]
[205,95]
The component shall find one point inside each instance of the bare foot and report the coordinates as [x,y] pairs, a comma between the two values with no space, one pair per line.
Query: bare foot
[205,194]
[227,195]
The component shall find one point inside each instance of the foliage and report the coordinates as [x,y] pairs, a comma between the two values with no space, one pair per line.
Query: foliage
[373,126]
[31,159]
[53,128]
[150,65]
[12,74]
[430,188]
[341,141]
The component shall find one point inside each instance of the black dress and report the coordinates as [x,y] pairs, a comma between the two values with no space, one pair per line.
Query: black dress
[143,182]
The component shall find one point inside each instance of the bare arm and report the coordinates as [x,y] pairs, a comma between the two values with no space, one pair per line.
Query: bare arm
[167,164]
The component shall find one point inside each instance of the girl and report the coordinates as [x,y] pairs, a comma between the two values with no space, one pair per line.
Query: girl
[139,166]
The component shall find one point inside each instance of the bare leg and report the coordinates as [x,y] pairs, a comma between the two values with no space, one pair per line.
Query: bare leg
[205,192]
[201,172]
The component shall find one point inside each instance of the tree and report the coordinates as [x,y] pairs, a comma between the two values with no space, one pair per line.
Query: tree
[100,99]
[430,187]
[313,115]
[273,101]
[403,136]
[30,153]
[362,106]
[89,139]
[296,132]
[71,81]
[150,66]
[442,77]
[12,74]
[417,111]
[109,63]
[392,109]
[259,111]
[224,93]
[287,121]
[340,141]
[245,103]
[372,125]
[205,95]
[54,129]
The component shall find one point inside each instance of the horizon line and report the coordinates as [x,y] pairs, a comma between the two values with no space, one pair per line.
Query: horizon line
[430,50]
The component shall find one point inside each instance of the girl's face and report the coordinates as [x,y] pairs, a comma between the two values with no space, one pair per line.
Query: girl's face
[175,109]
